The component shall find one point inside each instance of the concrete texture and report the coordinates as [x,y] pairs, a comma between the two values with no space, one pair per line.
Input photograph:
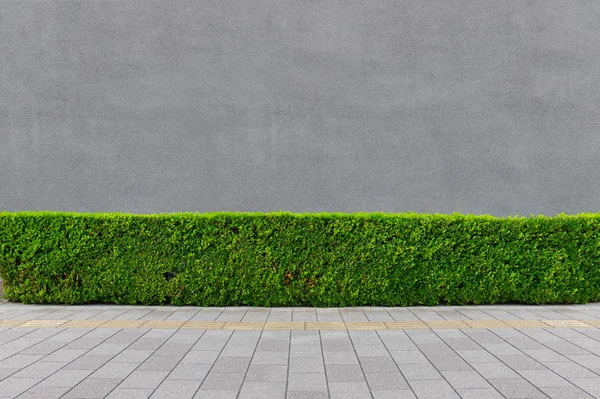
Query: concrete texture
[473,106]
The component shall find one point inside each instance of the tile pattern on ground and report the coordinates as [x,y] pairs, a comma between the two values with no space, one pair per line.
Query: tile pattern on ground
[240,352]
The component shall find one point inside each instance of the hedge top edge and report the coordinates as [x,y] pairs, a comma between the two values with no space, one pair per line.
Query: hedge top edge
[325,215]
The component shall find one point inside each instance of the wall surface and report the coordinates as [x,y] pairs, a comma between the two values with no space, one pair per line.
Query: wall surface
[472,106]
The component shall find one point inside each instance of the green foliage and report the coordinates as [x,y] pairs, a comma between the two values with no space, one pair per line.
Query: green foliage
[284,259]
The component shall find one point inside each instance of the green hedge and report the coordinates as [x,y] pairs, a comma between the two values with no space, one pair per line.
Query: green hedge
[283,259]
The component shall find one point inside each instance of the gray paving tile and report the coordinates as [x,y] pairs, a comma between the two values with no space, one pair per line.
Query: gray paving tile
[237,350]
[44,392]
[144,379]
[215,394]
[43,348]
[377,314]
[185,336]
[132,356]
[267,373]
[5,372]
[300,314]
[448,363]
[566,348]
[173,349]
[270,358]
[277,334]
[309,337]
[19,361]
[494,370]
[147,344]
[324,334]
[521,362]
[307,365]
[409,357]
[399,344]
[176,389]
[347,357]
[88,362]
[93,388]
[425,314]
[130,393]
[433,389]
[389,381]
[280,314]
[570,370]
[449,314]
[262,390]
[588,361]
[544,378]
[12,387]
[156,314]
[183,315]
[501,349]
[524,342]
[330,345]
[208,314]
[479,393]
[425,337]
[364,338]
[402,394]
[271,345]
[465,379]
[516,388]
[328,314]
[483,337]
[201,357]
[589,385]
[307,382]
[162,333]
[85,342]
[246,338]
[216,381]
[350,389]
[231,364]
[160,363]
[66,378]
[67,336]
[301,351]
[307,395]
[107,349]
[114,370]
[569,392]
[127,336]
[414,372]
[545,355]
[40,369]
[189,371]
[444,334]
[344,372]
[232,314]
[256,315]
[436,349]
[378,364]
[462,343]
[372,351]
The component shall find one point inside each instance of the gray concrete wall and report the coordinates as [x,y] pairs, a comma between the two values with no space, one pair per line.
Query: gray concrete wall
[473,106]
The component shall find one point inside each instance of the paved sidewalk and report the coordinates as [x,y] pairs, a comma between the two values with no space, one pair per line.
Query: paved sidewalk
[169,352]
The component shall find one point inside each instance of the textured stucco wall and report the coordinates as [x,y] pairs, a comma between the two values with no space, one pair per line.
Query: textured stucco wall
[473,106]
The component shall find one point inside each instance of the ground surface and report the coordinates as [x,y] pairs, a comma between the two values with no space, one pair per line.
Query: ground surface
[167,352]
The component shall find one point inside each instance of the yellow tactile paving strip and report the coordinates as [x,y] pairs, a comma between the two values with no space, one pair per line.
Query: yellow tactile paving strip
[323,325]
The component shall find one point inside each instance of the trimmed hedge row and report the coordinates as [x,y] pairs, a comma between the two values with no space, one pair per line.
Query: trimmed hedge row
[284,259]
